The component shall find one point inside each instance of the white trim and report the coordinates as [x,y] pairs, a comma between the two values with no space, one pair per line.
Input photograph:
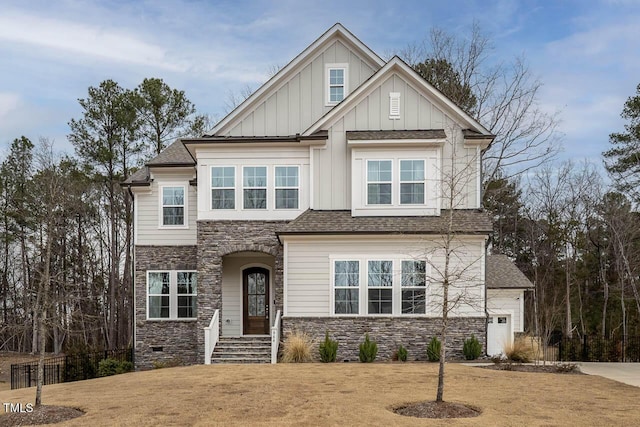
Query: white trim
[173,295]
[478,178]
[327,82]
[185,206]
[311,180]
[234,188]
[398,66]
[435,142]
[285,278]
[276,188]
[135,221]
[305,57]
[367,182]
[266,188]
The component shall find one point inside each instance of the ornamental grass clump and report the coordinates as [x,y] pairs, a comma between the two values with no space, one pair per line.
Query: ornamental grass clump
[368,350]
[433,350]
[297,348]
[519,351]
[472,349]
[328,349]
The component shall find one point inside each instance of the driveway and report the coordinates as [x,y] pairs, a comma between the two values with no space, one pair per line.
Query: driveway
[628,373]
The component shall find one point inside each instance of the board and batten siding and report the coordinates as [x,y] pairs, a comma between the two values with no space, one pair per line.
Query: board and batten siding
[147,211]
[332,164]
[507,301]
[308,283]
[301,100]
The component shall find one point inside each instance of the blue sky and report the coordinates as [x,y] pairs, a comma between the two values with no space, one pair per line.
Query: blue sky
[587,53]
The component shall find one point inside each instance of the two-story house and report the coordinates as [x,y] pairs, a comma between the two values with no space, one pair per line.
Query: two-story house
[319,204]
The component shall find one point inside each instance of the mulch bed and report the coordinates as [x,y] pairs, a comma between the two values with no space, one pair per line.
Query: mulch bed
[561,368]
[44,414]
[432,409]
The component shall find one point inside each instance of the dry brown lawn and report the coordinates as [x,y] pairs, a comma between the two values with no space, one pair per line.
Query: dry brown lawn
[338,394]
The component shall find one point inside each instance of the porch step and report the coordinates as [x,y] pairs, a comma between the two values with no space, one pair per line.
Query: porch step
[242,350]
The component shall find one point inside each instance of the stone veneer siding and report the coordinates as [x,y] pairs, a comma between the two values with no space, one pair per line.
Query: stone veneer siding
[388,332]
[177,338]
[219,238]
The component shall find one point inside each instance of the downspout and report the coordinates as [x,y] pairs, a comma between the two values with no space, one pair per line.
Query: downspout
[133,280]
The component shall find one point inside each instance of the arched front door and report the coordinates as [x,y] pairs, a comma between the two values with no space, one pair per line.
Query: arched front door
[255,297]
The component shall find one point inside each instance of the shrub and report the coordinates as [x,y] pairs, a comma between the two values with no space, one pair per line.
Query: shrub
[520,351]
[297,348]
[433,349]
[471,348]
[328,349]
[110,366]
[567,368]
[368,350]
[401,353]
[167,363]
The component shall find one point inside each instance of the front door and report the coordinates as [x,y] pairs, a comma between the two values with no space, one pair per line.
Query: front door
[255,295]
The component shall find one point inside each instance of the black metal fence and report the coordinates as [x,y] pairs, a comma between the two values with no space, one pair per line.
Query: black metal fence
[73,367]
[593,349]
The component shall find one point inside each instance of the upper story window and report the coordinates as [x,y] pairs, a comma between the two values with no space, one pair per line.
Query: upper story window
[223,184]
[287,187]
[412,180]
[173,206]
[254,182]
[172,294]
[337,89]
[379,182]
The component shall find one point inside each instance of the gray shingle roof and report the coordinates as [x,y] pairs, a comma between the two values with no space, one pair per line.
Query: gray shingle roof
[341,222]
[501,273]
[140,177]
[396,134]
[174,155]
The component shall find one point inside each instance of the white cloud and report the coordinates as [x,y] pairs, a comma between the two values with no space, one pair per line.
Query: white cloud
[8,103]
[74,38]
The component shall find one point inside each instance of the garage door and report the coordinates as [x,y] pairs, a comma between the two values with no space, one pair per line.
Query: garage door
[498,333]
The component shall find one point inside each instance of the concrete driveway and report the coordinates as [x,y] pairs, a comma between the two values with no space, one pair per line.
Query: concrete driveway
[628,373]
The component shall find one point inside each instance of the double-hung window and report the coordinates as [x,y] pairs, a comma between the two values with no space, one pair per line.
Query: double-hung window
[414,283]
[346,280]
[173,206]
[187,294]
[223,187]
[337,85]
[379,182]
[254,183]
[380,287]
[412,182]
[172,294]
[287,187]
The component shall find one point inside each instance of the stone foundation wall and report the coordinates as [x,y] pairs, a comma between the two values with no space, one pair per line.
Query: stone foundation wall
[388,332]
[169,341]
[219,238]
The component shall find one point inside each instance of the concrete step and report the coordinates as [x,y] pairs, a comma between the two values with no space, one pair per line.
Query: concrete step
[242,350]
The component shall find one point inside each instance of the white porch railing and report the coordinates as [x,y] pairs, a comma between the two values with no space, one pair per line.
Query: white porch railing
[275,338]
[211,336]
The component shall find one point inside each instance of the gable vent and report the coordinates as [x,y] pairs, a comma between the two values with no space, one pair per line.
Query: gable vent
[394,105]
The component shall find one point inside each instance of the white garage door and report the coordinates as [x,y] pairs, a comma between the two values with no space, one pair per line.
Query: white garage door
[498,333]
